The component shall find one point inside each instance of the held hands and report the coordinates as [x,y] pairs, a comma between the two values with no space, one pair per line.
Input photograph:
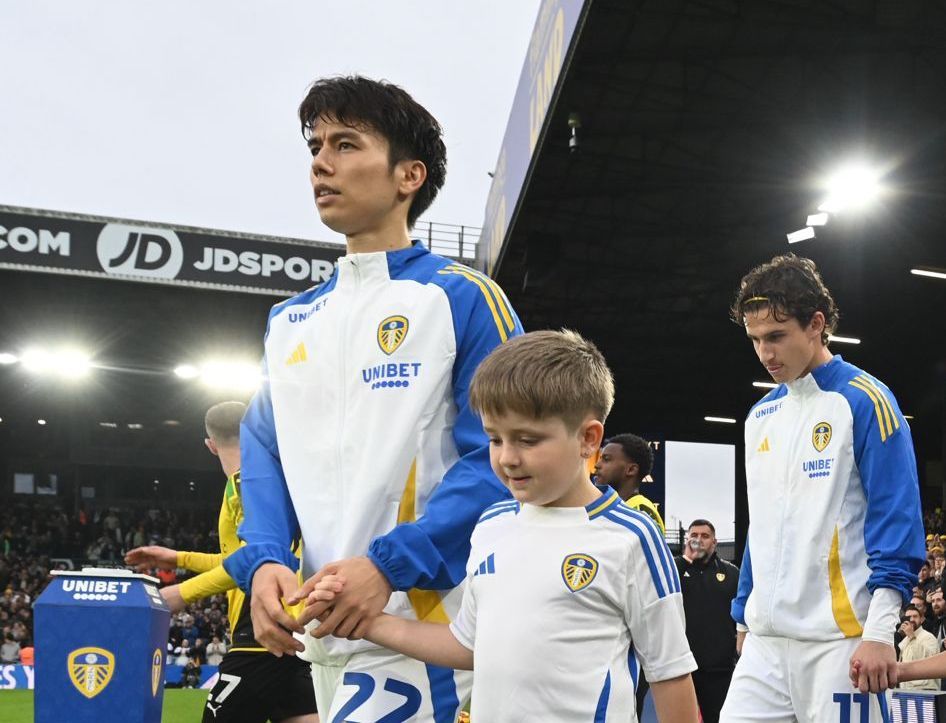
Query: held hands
[151,556]
[874,667]
[272,625]
[353,594]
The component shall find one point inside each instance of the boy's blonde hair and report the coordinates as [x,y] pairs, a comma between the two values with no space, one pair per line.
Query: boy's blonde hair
[545,374]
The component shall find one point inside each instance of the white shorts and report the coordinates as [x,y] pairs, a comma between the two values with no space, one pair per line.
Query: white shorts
[780,680]
[379,684]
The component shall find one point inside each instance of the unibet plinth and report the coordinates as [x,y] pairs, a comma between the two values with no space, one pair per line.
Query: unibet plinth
[101,640]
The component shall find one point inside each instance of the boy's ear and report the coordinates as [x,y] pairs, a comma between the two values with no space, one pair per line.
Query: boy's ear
[591,433]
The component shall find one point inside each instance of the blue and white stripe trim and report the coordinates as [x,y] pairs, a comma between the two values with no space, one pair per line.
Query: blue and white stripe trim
[499,508]
[663,571]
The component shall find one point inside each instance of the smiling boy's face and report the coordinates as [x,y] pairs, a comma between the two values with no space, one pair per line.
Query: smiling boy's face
[542,461]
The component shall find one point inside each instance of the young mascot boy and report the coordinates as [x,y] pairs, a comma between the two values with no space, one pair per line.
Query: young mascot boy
[565,581]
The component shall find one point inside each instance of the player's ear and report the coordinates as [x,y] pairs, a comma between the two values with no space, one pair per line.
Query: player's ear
[817,324]
[411,176]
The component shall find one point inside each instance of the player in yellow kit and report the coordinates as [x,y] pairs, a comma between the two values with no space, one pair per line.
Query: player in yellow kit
[254,685]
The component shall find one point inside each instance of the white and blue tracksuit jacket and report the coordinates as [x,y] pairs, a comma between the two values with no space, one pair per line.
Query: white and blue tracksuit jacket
[834,506]
[361,436]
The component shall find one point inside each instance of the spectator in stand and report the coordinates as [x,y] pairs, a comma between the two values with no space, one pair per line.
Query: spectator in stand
[938,563]
[936,621]
[10,650]
[215,651]
[182,653]
[917,644]
[925,581]
[919,602]
[191,677]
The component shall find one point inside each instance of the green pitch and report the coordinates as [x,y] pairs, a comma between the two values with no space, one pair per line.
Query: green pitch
[180,706]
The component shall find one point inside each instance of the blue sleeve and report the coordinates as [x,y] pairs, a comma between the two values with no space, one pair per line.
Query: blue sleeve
[738,607]
[883,453]
[432,552]
[269,520]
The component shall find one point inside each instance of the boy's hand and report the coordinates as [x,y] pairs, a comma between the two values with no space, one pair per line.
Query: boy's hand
[320,600]
[366,592]
[326,589]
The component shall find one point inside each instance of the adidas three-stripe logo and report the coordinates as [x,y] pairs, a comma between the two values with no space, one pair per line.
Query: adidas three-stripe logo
[487,567]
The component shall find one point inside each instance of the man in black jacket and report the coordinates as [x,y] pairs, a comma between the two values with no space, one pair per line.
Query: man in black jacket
[709,585]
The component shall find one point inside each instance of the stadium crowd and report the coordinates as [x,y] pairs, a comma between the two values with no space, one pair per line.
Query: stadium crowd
[37,536]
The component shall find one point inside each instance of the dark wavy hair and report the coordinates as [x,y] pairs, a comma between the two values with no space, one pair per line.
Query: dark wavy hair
[636,449]
[411,131]
[791,287]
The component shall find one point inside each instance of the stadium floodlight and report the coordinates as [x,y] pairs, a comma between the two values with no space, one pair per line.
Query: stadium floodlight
[908,416]
[817,219]
[109,425]
[801,235]
[41,422]
[72,363]
[7,358]
[721,420]
[135,425]
[765,385]
[844,339]
[931,273]
[242,376]
[851,187]
[68,363]
[187,371]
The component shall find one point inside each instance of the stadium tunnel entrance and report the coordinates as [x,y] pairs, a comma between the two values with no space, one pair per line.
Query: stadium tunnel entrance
[674,147]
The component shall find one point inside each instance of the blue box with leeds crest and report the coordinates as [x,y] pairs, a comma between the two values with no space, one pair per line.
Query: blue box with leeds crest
[101,640]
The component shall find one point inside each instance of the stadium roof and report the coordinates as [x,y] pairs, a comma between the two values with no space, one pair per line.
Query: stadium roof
[705,128]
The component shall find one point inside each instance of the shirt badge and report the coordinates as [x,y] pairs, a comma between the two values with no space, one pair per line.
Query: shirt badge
[821,436]
[391,333]
[578,571]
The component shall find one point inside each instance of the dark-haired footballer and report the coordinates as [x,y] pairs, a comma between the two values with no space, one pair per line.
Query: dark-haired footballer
[835,536]
[362,436]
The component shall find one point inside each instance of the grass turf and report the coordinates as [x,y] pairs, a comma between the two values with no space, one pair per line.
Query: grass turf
[180,706]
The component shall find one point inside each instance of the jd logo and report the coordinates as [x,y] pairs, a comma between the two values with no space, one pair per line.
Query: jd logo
[139,251]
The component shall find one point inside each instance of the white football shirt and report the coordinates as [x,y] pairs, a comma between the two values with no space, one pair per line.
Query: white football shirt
[557,603]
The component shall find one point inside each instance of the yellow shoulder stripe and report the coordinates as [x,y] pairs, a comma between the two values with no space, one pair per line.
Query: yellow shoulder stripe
[498,294]
[887,421]
[503,335]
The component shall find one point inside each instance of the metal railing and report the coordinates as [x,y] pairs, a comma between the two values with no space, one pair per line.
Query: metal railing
[448,239]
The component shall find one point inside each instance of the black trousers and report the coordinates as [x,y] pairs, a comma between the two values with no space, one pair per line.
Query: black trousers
[711,688]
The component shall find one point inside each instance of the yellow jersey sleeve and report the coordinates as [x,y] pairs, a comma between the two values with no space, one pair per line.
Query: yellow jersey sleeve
[207,583]
[199,561]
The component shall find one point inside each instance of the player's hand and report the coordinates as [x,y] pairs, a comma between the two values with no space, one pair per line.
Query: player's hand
[366,592]
[272,625]
[172,598]
[876,665]
[151,556]
[740,639]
